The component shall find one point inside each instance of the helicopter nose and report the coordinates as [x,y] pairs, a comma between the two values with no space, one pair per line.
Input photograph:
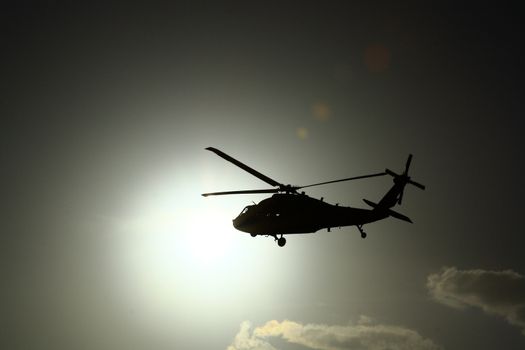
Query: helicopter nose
[239,222]
[236,223]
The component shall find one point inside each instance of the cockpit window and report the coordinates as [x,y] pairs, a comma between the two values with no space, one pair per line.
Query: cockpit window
[245,210]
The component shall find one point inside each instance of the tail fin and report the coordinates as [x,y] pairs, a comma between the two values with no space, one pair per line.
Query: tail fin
[395,194]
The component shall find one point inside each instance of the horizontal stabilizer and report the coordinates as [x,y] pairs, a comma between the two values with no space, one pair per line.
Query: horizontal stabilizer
[370,203]
[390,212]
[398,216]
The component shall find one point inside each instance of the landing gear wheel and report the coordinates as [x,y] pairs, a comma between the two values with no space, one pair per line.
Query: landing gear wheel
[363,233]
[281,241]
[253,234]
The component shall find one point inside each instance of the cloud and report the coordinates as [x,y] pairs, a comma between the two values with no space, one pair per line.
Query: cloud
[499,293]
[365,335]
[245,340]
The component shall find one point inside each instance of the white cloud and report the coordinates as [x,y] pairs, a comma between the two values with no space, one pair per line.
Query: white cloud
[365,335]
[245,340]
[495,292]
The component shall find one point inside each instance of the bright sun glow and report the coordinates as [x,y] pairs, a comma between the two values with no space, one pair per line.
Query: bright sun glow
[175,248]
[205,232]
[209,234]
[178,258]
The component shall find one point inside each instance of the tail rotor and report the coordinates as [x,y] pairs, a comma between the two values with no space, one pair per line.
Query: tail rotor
[404,178]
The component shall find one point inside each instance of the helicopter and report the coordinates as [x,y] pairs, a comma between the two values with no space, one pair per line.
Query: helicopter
[288,211]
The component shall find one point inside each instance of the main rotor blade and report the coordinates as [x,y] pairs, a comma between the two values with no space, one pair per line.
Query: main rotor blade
[341,180]
[391,173]
[244,167]
[271,190]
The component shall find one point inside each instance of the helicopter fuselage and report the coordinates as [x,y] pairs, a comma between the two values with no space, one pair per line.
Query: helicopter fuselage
[299,213]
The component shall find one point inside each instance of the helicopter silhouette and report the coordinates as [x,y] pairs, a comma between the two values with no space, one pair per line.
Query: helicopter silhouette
[289,212]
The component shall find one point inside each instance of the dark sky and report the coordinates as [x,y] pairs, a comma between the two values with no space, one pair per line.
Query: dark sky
[106,110]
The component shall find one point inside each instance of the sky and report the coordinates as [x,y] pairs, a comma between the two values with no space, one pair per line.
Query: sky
[107,110]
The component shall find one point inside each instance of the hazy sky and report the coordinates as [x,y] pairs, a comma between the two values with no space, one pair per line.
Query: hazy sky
[106,242]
